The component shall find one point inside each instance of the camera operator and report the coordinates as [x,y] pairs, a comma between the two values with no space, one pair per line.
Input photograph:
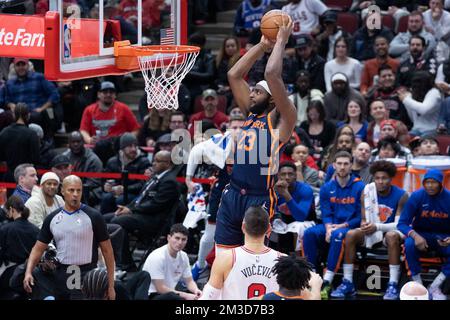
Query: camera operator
[16,240]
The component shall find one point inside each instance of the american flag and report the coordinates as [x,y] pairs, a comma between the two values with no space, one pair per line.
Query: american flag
[167,36]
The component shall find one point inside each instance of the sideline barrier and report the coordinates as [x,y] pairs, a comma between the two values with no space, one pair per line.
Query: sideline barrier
[399,178]
[420,165]
[416,176]
[103,175]
[410,178]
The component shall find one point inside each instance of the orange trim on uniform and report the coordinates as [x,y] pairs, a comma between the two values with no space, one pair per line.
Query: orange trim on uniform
[408,270]
[274,154]
[271,213]
[227,246]
[341,256]
[278,293]
[269,123]
[268,182]
[233,252]
[275,203]
[303,248]
[253,252]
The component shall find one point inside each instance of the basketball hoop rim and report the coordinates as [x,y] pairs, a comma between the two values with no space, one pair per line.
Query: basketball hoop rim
[127,56]
[150,50]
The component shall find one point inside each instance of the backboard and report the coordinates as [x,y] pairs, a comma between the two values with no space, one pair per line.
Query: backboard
[80,40]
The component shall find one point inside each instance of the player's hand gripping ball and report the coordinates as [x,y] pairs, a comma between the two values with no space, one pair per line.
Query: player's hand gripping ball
[271,21]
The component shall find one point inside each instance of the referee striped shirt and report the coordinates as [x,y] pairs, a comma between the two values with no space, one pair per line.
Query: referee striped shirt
[76,234]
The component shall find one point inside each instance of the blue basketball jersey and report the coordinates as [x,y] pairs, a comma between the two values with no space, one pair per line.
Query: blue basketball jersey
[388,205]
[252,15]
[256,155]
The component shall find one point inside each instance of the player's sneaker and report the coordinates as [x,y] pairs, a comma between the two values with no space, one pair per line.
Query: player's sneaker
[392,292]
[197,271]
[325,291]
[436,293]
[346,289]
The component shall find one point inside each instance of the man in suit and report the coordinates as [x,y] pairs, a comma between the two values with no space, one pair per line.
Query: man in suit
[148,212]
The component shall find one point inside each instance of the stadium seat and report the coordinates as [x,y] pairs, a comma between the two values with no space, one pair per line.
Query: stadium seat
[348,21]
[402,24]
[339,5]
[444,143]
[388,21]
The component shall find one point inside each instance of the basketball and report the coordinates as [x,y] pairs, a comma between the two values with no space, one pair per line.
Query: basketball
[269,21]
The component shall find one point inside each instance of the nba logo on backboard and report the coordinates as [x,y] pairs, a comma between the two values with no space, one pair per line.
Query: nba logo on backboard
[67,41]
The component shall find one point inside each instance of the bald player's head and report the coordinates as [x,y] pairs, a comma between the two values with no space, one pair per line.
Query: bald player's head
[414,291]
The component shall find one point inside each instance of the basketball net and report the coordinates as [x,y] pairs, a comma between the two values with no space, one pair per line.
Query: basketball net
[163,73]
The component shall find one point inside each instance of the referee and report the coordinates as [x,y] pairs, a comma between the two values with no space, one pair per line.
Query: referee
[77,231]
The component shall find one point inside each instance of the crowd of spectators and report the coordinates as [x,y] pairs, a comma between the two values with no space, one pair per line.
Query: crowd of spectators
[371,95]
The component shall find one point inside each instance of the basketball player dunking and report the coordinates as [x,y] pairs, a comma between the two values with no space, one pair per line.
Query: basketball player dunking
[271,118]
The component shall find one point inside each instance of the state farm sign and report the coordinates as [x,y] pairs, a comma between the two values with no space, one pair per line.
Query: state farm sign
[22,36]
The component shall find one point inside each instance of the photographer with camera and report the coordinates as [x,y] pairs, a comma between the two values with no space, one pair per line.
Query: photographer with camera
[16,240]
[78,231]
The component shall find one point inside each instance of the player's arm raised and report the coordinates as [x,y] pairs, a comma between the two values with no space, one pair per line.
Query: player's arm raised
[238,85]
[273,77]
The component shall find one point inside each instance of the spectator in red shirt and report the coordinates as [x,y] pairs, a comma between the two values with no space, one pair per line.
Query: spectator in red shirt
[128,10]
[102,122]
[210,112]
[107,117]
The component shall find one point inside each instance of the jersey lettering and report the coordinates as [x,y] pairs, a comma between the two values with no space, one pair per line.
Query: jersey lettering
[256,290]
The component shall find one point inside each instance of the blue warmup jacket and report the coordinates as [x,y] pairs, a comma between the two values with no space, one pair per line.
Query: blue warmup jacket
[340,205]
[425,213]
[300,204]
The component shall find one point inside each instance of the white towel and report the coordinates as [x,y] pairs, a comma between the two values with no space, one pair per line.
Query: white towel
[196,207]
[372,213]
[218,148]
[280,227]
